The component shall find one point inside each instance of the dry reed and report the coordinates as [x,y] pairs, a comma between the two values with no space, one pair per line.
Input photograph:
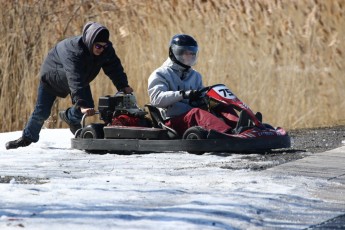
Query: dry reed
[283,58]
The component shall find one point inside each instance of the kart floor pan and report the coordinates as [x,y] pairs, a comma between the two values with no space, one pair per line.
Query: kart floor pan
[206,145]
[128,132]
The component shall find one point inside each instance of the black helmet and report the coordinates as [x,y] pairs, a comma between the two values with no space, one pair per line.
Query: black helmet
[181,44]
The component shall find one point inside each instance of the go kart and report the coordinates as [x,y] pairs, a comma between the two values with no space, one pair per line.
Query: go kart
[128,128]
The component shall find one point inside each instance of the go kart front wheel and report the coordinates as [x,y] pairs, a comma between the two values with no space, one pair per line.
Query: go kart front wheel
[195,133]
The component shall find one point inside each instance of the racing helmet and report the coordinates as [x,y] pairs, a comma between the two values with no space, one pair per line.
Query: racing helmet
[183,50]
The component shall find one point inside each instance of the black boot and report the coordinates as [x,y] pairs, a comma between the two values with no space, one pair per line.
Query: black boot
[243,122]
[21,142]
[72,127]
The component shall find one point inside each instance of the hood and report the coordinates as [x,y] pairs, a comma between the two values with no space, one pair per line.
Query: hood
[90,32]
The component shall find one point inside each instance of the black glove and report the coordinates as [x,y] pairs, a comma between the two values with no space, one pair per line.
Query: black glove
[192,95]
[80,103]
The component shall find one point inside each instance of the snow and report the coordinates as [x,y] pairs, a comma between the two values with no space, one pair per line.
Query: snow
[48,185]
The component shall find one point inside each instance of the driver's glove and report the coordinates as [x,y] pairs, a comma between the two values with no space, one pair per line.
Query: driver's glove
[192,95]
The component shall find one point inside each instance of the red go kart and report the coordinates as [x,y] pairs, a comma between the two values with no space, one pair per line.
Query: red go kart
[128,128]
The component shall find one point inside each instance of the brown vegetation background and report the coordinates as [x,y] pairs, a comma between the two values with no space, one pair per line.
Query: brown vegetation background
[283,58]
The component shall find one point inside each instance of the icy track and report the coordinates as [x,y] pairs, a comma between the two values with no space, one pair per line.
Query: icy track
[48,185]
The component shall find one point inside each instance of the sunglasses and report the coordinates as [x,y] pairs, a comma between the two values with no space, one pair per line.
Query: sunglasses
[99,46]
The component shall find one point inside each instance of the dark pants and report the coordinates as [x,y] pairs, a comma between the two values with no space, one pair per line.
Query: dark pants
[44,104]
[197,117]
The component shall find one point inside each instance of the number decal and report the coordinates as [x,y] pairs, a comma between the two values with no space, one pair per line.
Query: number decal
[224,92]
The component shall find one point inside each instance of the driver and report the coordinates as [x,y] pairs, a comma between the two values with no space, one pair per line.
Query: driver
[175,84]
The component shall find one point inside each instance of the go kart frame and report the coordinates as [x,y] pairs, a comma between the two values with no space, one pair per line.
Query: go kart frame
[127,128]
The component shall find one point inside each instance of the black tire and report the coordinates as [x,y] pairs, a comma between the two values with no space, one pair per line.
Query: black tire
[195,133]
[93,131]
[77,133]
[268,126]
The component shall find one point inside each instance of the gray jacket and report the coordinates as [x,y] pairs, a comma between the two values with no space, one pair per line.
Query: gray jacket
[71,65]
[165,84]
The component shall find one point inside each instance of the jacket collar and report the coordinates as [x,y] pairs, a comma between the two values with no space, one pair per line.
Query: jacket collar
[177,67]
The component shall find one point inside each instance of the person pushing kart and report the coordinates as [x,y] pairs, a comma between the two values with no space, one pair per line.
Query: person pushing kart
[68,69]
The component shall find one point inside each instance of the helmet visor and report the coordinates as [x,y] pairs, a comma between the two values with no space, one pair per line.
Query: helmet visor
[187,55]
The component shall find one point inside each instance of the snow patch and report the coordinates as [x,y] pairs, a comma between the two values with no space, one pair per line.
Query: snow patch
[50,185]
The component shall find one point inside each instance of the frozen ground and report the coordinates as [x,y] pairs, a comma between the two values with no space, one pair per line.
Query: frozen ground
[50,186]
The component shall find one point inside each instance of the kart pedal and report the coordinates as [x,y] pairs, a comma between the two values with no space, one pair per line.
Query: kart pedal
[243,121]
[258,115]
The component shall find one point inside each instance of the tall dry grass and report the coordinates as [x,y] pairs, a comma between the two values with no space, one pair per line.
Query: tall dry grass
[283,58]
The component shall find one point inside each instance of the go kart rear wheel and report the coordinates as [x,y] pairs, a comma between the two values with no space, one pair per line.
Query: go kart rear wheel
[93,131]
[77,133]
[195,133]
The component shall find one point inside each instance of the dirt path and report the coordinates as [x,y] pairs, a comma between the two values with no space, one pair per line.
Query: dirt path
[318,140]
[305,142]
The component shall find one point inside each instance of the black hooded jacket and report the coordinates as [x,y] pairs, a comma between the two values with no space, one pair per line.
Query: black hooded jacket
[71,65]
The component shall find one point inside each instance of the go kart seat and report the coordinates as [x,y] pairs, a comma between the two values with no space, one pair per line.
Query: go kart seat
[158,121]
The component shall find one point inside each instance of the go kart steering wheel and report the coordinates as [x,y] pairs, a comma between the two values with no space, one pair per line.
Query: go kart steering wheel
[202,100]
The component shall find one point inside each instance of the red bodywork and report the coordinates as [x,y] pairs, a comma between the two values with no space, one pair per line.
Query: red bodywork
[223,96]
[222,102]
